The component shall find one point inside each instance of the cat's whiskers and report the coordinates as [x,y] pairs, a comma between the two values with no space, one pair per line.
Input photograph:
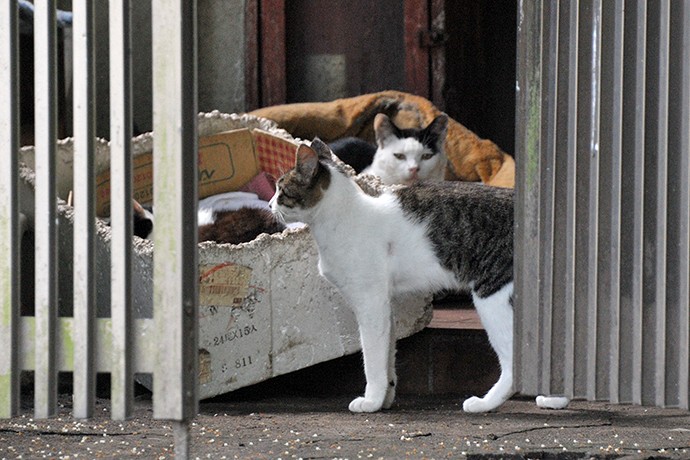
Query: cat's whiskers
[276,212]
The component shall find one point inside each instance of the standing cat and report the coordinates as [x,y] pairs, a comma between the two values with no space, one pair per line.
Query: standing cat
[401,156]
[426,237]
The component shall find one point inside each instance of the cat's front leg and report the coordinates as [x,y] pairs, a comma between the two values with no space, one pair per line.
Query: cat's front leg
[375,328]
[392,375]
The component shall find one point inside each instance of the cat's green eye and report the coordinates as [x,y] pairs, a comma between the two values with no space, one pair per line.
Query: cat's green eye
[400,156]
[427,156]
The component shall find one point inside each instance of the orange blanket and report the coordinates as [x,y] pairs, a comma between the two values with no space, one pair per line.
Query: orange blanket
[470,158]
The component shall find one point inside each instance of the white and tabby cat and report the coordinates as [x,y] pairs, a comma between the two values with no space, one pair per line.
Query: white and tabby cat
[425,237]
[401,156]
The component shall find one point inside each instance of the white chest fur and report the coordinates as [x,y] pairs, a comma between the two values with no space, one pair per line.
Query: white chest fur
[368,240]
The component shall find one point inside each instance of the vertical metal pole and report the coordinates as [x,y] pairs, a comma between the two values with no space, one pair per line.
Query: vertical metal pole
[182,439]
[122,388]
[587,198]
[655,204]
[570,66]
[84,210]
[9,237]
[547,188]
[175,197]
[45,396]
[563,296]
[608,348]
[528,150]
[678,253]
[632,204]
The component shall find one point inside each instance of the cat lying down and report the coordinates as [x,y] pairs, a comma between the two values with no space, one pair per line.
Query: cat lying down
[239,226]
[234,217]
[425,237]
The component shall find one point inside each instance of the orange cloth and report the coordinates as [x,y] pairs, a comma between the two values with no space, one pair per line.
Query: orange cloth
[470,158]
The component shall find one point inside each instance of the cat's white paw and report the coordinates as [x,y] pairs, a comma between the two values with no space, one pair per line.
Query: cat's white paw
[364,405]
[475,405]
[552,402]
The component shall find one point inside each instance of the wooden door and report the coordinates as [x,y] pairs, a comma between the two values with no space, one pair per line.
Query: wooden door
[317,50]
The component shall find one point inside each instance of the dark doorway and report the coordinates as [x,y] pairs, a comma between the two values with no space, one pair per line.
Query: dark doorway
[480,58]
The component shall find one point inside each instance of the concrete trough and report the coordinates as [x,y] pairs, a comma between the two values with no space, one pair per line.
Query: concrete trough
[264,309]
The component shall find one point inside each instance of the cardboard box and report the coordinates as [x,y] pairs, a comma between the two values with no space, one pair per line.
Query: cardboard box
[227,161]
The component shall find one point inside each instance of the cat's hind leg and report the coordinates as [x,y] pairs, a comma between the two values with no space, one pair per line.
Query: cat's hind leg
[496,314]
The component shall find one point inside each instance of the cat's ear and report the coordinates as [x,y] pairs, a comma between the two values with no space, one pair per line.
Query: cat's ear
[383,128]
[307,161]
[438,128]
[321,148]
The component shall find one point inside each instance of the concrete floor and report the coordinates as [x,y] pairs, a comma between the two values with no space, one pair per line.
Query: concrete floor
[250,427]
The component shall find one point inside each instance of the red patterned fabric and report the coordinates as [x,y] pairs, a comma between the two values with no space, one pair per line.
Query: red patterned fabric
[276,155]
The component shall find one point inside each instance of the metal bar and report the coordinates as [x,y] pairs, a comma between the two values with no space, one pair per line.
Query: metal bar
[593,325]
[142,331]
[578,355]
[632,193]
[182,439]
[175,184]
[662,202]
[556,341]
[122,384]
[608,349]
[564,366]
[548,184]
[84,210]
[586,199]
[678,250]
[9,211]
[45,396]
[593,329]
[655,181]
[528,148]
[571,197]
